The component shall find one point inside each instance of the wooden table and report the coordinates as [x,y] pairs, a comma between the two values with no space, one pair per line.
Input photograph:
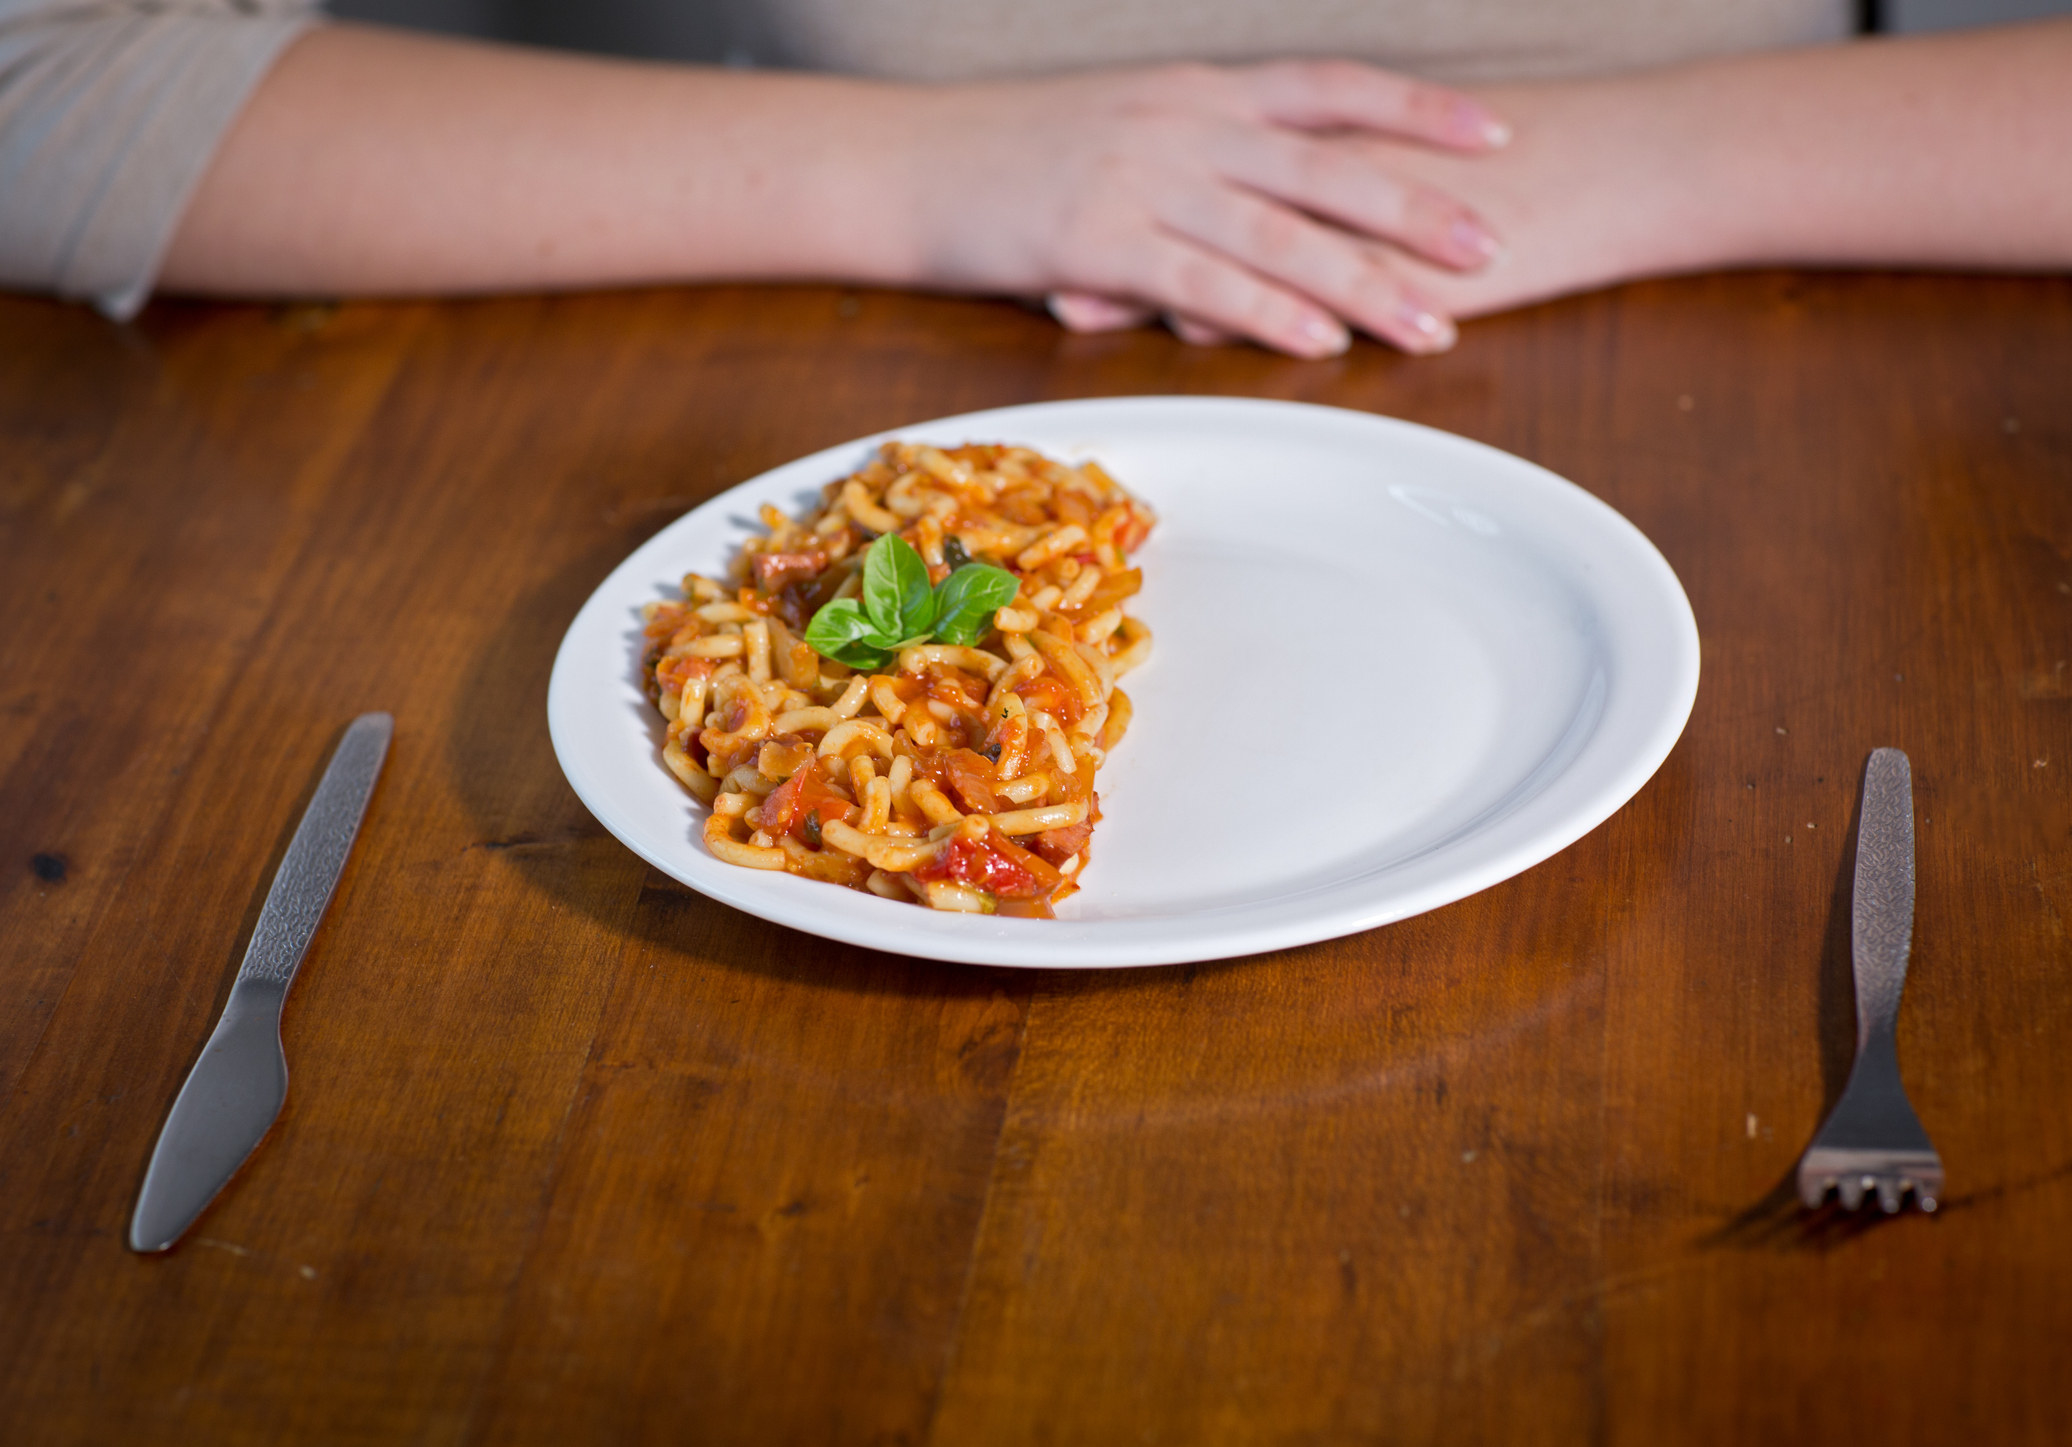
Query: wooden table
[574,1155]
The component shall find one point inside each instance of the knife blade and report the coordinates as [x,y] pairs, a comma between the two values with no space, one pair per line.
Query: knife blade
[236,1088]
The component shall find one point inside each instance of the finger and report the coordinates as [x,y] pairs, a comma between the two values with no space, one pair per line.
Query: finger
[1323,94]
[1352,280]
[1212,291]
[1341,181]
[1197,334]
[1080,311]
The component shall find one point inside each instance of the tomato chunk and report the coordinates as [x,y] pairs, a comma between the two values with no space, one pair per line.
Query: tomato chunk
[1051,694]
[805,795]
[965,774]
[989,864]
[670,673]
[1047,878]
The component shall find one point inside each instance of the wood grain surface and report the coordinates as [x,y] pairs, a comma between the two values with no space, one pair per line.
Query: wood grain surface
[573,1155]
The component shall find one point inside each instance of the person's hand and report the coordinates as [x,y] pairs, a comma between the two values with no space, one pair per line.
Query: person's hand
[1238,201]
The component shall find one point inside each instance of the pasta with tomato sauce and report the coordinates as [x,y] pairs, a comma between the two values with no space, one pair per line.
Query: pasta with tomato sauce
[956,771]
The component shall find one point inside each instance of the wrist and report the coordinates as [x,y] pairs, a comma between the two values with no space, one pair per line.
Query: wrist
[1698,212]
[1662,200]
[815,178]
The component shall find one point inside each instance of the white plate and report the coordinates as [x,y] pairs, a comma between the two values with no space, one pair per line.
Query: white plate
[1391,667]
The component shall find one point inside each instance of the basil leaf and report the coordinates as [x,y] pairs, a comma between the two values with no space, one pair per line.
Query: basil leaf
[896,594]
[837,625]
[966,601]
[898,608]
[866,660]
[955,553]
[844,632]
[863,658]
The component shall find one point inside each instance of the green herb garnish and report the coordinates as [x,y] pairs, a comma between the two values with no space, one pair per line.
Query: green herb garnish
[898,609]
[966,601]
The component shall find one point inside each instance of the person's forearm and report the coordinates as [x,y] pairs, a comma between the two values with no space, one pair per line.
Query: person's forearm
[379,161]
[1941,151]
[1951,150]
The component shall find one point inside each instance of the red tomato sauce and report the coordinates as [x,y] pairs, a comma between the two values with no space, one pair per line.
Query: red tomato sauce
[802,796]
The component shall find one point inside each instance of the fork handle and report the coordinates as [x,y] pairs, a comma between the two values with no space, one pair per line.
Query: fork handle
[1883,919]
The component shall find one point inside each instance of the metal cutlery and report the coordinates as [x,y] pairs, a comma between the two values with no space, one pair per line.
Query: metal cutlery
[237,1086]
[1872,1144]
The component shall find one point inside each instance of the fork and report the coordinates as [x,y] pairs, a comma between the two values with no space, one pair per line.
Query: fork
[1873,1141]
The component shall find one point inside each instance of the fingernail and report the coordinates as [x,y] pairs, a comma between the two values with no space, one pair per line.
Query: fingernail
[1080,312]
[1065,310]
[1475,126]
[1327,336]
[1472,239]
[1434,333]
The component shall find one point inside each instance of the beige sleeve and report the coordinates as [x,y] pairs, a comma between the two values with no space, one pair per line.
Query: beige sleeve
[109,113]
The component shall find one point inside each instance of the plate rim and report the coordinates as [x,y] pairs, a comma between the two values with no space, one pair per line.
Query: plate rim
[834,914]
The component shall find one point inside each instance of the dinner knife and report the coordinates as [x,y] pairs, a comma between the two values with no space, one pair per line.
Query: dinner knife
[237,1086]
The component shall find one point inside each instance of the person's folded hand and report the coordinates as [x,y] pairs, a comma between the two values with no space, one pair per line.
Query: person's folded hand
[1225,198]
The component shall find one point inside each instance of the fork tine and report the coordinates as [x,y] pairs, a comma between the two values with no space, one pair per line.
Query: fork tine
[1851,1189]
[1890,1191]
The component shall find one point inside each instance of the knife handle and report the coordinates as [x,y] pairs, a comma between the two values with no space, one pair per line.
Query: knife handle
[309,871]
